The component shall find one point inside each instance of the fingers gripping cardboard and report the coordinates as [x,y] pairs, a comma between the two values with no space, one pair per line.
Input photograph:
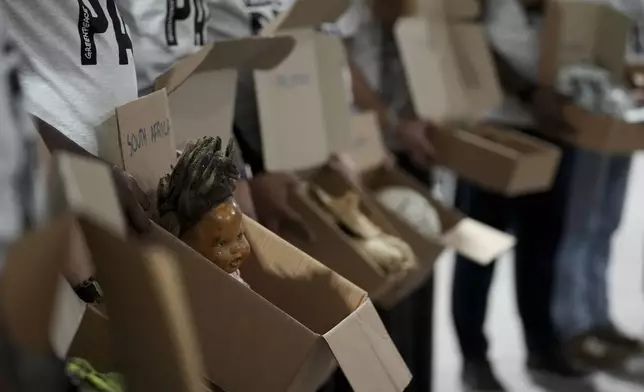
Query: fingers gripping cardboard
[202,87]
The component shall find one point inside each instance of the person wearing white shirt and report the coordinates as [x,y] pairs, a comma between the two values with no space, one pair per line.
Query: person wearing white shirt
[79,67]
[18,171]
[162,33]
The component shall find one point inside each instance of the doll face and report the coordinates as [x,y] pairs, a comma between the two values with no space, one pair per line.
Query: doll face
[219,237]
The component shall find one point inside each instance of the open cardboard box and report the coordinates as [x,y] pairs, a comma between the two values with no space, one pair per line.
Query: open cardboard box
[297,310]
[332,246]
[472,239]
[149,337]
[452,10]
[453,83]
[577,31]
[501,160]
[304,97]
[202,87]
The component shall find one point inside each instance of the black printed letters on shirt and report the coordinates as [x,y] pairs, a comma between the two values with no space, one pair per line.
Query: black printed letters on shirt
[93,21]
[175,14]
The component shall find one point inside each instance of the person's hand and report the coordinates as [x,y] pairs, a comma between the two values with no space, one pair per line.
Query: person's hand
[244,198]
[547,108]
[134,201]
[270,192]
[414,138]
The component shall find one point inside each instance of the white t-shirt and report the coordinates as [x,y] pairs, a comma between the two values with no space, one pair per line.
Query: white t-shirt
[18,156]
[162,33]
[79,62]
[514,35]
[229,19]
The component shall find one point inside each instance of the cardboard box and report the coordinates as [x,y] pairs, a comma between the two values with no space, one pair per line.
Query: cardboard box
[452,10]
[297,310]
[303,107]
[332,247]
[472,239]
[499,159]
[453,83]
[150,334]
[202,87]
[150,321]
[577,31]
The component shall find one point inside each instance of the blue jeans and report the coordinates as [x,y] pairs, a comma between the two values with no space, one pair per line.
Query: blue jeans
[593,213]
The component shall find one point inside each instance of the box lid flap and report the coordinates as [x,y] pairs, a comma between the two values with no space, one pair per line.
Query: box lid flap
[366,146]
[149,313]
[366,353]
[85,187]
[248,53]
[449,68]
[576,31]
[29,283]
[307,13]
[478,241]
[146,139]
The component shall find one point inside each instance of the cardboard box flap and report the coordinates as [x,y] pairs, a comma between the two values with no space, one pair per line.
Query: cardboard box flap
[366,353]
[84,186]
[477,69]
[327,298]
[248,53]
[307,13]
[149,315]
[142,142]
[449,68]
[365,146]
[29,282]
[210,288]
[478,241]
[578,31]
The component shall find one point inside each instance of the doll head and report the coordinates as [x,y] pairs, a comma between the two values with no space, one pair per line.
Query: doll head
[196,203]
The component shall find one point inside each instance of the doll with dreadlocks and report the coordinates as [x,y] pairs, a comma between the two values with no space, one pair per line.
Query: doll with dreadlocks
[196,204]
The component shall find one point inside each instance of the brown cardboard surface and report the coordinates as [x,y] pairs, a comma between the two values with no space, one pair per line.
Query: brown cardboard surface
[202,87]
[332,247]
[479,242]
[303,108]
[239,325]
[142,142]
[449,69]
[81,331]
[453,10]
[84,186]
[461,86]
[150,321]
[602,132]
[576,31]
[28,284]
[306,14]
[499,159]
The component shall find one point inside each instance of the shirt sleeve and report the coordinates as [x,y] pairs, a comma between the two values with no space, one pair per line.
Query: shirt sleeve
[18,153]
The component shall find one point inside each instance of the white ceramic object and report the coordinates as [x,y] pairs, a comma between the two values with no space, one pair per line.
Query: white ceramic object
[413,208]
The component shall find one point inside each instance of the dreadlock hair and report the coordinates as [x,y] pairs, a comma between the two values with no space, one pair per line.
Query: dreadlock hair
[203,178]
